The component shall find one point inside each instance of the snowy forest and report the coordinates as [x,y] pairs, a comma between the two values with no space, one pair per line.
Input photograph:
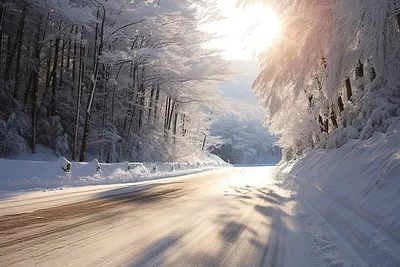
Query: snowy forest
[333,74]
[241,137]
[113,80]
[133,80]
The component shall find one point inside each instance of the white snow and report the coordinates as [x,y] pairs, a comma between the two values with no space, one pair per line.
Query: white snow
[349,201]
[28,175]
[224,217]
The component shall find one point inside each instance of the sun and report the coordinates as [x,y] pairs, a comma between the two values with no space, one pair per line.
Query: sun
[263,27]
[245,32]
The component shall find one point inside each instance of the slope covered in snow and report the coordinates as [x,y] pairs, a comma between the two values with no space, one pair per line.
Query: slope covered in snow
[356,190]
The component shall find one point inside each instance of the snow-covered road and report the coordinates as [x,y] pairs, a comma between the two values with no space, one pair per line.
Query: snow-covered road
[225,217]
[229,217]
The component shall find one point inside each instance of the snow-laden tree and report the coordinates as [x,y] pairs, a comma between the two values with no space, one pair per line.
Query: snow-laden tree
[240,135]
[117,80]
[333,73]
[244,141]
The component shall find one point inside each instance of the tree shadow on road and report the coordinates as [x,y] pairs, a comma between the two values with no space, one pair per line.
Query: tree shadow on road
[154,254]
[143,194]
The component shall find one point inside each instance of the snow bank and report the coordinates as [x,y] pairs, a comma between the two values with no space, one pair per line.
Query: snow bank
[356,188]
[23,175]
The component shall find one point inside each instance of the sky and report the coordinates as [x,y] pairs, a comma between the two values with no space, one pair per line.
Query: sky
[240,86]
[244,33]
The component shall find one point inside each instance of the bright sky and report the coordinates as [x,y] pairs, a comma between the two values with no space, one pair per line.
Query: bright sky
[245,31]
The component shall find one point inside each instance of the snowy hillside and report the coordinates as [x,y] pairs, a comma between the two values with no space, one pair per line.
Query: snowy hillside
[356,189]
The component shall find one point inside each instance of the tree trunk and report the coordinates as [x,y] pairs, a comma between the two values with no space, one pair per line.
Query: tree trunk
[2,15]
[373,74]
[69,52]
[156,104]
[74,60]
[28,86]
[150,104]
[62,62]
[171,114]
[333,117]
[35,85]
[54,78]
[175,126]
[8,51]
[348,90]
[340,104]
[12,53]
[18,63]
[167,108]
[359,70]
[360,73]
[141,106]
[96,34]
[133,99]
[111,151]
[78,100]
[141,101]
[130,125]
[175,123]
[105,105]
[321,123]
[34,109]
[93,91]
[326,125]
[398,18]
[48,72]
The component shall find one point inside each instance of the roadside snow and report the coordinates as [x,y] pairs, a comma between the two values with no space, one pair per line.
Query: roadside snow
[349,201]
[34,175]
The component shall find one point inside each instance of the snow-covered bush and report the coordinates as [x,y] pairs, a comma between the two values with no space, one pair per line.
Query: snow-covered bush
[11,143]
[51,134]
[14,125]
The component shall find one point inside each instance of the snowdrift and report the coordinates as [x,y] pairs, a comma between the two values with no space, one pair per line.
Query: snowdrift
[357,189]
[23,175]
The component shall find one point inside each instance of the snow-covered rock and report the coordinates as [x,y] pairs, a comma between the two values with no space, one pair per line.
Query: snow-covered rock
[64,164]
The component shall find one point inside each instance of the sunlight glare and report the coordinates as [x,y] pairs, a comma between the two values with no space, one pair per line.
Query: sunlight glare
[246,32]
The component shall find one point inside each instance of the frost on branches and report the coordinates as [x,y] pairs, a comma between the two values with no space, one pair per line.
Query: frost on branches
[114,80]
[333,75]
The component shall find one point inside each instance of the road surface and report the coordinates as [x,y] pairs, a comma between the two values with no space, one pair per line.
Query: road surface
[226,217]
